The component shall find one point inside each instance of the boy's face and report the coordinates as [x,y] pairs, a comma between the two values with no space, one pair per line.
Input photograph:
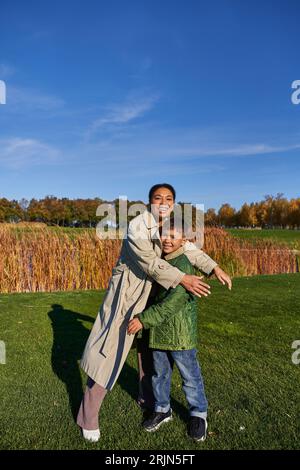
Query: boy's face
[171,241]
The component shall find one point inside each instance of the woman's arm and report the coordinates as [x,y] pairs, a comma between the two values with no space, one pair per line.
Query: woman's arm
[202,261]
[141,252]
[139,248]
[198,258]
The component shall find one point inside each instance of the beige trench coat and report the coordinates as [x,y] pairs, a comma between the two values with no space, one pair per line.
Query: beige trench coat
[138,265]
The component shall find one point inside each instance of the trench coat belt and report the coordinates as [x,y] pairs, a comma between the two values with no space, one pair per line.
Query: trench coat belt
[111,334]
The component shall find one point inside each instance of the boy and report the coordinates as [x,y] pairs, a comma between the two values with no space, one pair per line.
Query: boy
[172,321]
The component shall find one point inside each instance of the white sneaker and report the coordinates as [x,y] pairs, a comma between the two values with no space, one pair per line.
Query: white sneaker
[91,435]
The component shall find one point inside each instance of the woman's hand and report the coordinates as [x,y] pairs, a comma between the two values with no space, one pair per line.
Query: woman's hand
[134,326]
[194,285]
[222,277]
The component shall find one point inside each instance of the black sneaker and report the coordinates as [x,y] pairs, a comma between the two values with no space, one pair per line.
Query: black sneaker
[197,428]
[156,420]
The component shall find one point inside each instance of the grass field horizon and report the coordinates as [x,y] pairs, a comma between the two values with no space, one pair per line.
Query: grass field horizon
[245,351]
[291,237]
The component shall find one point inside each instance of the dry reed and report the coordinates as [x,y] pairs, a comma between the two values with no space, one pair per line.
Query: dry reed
[38,258]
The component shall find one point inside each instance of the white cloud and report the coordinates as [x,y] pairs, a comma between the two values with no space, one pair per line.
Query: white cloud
[26,100]
[123,113]
[189,146]
[17,153]
[237,150]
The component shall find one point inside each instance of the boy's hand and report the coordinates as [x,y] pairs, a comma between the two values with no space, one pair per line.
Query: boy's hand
[222,277]
[134,326]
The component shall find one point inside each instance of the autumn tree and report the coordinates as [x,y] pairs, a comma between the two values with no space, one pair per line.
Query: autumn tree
[10,211]
[226,215]
[272,211]
[246,216]
[211,218]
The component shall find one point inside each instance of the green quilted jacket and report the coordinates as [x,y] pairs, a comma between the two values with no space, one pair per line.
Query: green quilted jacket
[172,318]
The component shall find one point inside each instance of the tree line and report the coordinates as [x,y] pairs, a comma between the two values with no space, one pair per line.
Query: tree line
[272,211]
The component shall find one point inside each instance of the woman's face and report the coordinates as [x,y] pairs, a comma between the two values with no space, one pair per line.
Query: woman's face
[162,203]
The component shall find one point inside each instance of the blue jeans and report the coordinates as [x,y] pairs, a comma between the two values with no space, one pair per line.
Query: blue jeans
[189,368]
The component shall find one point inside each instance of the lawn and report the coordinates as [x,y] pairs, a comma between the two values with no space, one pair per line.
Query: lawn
[244,349]
[289,237]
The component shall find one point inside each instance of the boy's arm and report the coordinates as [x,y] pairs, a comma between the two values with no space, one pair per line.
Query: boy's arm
[166,309]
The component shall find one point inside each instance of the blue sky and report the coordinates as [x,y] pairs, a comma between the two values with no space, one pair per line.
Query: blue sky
[107,98]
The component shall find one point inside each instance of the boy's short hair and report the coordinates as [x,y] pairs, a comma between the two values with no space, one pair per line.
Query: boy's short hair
[178,225]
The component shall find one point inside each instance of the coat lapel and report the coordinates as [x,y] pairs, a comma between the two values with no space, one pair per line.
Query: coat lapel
[152,227]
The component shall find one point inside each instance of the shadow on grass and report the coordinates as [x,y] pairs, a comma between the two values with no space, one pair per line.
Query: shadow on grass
[69,339]
[128,380]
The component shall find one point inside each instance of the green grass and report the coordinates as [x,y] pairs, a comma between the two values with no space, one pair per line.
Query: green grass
[244,350]
[72,230]
[289,237]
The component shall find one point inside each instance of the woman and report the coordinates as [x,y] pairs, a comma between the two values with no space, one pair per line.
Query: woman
[138,265]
